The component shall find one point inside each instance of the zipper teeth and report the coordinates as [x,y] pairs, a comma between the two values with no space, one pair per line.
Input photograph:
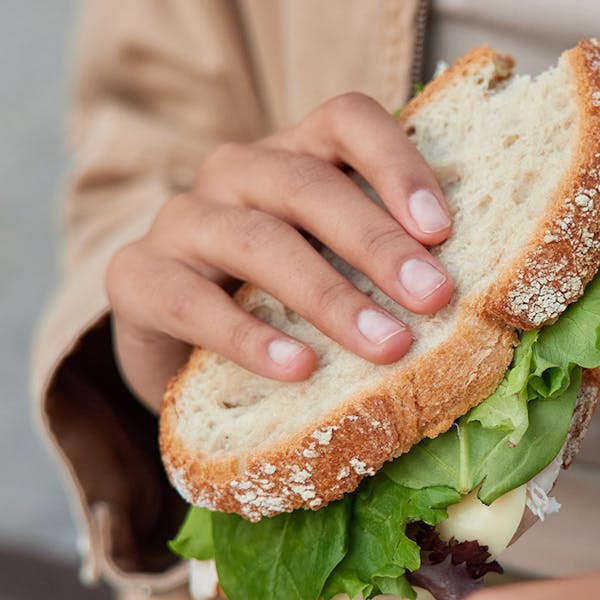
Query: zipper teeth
[416,73]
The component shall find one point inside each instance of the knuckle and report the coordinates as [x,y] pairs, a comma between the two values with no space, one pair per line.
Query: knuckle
[383,241]
[393,175]
[327,296]
[225,154]
[254,229]
[169,214]
[307,172]
[178,305]
[242,334]
[222,158]
[348,104]
[187,215]
[210,217]
[336,118]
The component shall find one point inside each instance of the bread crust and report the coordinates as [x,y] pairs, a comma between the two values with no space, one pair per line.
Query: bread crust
[563,253]
[324,461]
[587,403]
[472,62]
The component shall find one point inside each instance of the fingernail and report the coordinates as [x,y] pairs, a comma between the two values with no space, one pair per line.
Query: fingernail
[378,327]
[283,352]
[428,213]
[420,278]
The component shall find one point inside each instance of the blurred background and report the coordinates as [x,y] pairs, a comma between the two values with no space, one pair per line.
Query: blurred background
[38,557]
[37,538]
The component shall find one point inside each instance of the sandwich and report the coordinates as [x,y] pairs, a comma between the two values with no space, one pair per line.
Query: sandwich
[367,480]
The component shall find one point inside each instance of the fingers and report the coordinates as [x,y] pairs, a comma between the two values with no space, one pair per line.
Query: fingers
[315,196]
[354,129]
[175,303]
[170,293]
[276,258]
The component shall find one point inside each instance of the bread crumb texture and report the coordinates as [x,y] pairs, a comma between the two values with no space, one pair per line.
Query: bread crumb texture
[519,161]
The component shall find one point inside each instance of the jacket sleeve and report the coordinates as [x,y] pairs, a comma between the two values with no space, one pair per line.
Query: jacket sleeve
[158,85]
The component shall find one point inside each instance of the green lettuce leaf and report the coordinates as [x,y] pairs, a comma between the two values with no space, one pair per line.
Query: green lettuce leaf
[469,454]
[510,466]
[194,538]
[288,556]
[573,340]
[506,408]
[543,364]
[379,552]
[397,586]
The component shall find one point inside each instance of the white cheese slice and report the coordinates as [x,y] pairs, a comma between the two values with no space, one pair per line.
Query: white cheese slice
[492,526]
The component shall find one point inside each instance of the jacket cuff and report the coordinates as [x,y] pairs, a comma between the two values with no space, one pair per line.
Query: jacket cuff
[105,443]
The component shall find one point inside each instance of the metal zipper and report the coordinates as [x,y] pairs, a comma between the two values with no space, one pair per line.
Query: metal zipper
[416,72]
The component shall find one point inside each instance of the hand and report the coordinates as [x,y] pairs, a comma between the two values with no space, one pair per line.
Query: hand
[242,221]
[582,587]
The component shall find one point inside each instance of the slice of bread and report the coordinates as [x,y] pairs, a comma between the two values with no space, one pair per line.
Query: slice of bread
[519,161]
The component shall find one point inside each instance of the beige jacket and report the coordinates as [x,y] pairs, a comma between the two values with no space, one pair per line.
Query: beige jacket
[158,86]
